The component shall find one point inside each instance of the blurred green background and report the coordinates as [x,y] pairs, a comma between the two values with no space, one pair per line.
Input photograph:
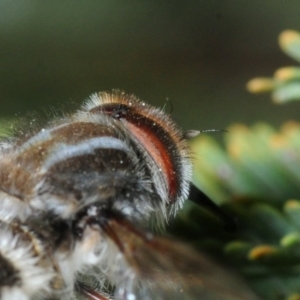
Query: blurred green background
[198,54]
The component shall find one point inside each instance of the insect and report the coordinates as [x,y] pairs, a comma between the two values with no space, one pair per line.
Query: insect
[76,198]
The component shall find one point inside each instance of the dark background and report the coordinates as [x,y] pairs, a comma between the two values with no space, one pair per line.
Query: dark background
[198,54]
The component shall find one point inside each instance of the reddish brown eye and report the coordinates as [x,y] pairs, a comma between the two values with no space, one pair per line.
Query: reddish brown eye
[158,137]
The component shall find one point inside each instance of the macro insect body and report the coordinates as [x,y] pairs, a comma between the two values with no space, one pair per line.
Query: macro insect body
[76,198]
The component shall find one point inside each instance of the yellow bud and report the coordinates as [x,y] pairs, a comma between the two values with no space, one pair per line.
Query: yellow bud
[284,74]
[260,252]
[287,37]
[260,85]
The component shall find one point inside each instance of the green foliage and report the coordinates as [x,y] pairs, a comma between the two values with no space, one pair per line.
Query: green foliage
[255,177]
[285,84]
[258,163]
[7,127]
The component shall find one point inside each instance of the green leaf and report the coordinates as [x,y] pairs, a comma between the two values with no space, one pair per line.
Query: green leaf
[289,41]
[287,92]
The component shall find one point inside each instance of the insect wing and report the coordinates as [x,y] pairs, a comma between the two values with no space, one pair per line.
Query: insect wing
[165,269]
